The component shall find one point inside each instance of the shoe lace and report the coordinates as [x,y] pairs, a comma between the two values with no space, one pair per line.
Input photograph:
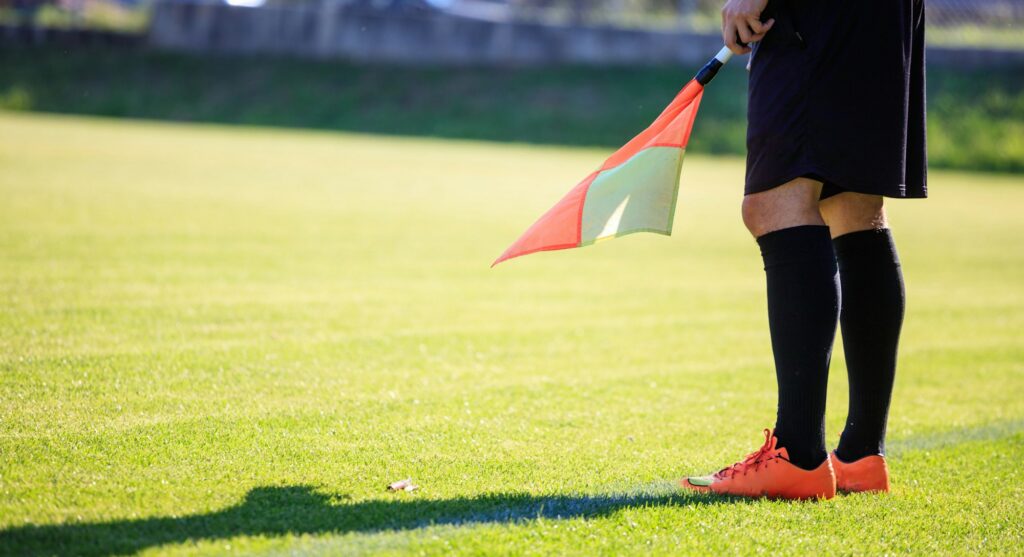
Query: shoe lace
[753,460]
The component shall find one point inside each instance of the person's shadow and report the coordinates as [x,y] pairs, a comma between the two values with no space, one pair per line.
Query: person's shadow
[273,511]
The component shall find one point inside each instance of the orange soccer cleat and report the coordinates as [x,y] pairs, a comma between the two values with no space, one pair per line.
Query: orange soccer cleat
[867,474]
[768,472]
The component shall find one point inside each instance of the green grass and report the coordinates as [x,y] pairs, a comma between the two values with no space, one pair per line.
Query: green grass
[233,338]
[976,117]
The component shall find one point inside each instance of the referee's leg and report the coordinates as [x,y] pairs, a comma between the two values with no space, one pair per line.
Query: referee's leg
[792,204]
[803,307]
[871,318]
[853,212]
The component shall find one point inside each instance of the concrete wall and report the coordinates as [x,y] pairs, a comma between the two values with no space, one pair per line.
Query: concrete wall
[328,29]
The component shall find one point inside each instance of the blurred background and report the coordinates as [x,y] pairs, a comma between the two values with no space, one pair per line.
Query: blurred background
[968,22]
[571,72]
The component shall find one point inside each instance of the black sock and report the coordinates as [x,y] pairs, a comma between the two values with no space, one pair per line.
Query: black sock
[872,315]
[803,308]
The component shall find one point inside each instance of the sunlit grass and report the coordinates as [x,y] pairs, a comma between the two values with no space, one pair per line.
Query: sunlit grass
[217,338]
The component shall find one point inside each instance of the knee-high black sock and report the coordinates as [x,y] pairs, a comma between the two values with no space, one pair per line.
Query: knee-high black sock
[872,316]
[803,308]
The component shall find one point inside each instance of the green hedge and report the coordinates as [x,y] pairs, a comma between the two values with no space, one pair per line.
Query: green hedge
[976,118]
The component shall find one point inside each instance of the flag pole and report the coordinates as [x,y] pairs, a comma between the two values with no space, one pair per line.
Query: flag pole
[708,72]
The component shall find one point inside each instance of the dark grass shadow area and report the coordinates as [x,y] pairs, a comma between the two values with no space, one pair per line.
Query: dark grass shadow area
[943,439]
[276,511]
[585,106]
[975,115]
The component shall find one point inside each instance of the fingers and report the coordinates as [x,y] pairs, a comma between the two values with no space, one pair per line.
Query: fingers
[759,29]
[741,29]
[752,30]
[731,38]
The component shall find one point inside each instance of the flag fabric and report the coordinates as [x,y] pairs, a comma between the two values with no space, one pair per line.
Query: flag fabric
[633,191]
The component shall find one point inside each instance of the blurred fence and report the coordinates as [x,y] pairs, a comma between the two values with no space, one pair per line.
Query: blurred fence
[334,30]
[422,33]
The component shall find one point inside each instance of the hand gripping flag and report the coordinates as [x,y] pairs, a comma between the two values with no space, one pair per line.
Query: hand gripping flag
[633,191]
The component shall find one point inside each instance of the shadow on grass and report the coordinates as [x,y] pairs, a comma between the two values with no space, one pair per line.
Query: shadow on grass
[953,437]
[275,511]
[301,509]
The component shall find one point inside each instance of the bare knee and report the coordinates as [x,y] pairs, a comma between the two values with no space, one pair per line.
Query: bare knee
[792,204]
[853,212]
[756,215]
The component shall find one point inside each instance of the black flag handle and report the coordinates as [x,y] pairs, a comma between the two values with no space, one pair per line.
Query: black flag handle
[708,72]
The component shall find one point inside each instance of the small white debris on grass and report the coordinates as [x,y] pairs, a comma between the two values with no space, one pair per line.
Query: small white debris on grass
[403,485]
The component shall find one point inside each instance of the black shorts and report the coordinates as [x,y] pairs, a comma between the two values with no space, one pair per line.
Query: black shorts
[837,93]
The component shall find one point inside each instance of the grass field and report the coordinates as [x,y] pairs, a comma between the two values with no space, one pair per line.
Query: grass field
[219,339]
